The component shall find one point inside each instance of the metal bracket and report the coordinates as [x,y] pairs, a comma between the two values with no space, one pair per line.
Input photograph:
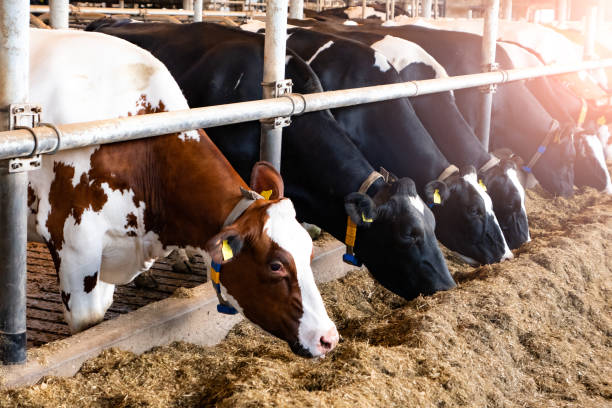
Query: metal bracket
[25,115]
[492,88]
[279,89]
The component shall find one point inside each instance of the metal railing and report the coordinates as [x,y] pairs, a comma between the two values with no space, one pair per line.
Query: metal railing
[20,143]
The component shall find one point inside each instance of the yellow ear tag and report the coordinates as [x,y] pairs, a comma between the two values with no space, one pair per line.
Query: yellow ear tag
[226,250]
[363,217]
[436,197]
[266,194]
[601,121]
[482,184]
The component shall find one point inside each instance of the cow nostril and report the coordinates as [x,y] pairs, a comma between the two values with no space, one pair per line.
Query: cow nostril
[326,345]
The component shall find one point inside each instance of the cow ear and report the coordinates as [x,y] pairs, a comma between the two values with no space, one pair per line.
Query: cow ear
[224,246]
[266,181]
[360,208]
[436,193]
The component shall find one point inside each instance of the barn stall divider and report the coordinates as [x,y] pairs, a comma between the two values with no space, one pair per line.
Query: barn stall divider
[21,149]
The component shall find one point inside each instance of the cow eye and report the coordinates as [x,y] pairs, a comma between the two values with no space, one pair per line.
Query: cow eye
[276,266]
[475,211]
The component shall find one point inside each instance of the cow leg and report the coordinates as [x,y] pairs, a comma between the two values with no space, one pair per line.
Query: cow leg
[85,297]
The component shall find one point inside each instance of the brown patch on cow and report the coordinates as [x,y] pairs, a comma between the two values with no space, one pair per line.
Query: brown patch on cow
[90,282]
[132,221]
[66,299]
[32,201]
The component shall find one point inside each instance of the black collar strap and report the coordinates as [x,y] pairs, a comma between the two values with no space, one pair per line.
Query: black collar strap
[552,132]
[351,228]
[248,198]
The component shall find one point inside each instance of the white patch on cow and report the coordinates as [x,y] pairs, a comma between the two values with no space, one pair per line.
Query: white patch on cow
[238,81]
[350,23]
[471,179]
[381,62]
[598,151]
[320,50]
[604,136]
[284,229]
[189,135]
[402,53]
[389,23]
[287,59]
[513,176]
[253,25]
[417,203]
[356,12]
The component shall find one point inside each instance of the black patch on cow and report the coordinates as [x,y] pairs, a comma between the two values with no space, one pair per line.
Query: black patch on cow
[417,71]
[90,282]
[131,234]
[66,299]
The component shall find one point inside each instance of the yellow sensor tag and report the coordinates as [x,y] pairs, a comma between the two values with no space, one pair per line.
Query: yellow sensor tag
[363,217]
[436,197]
[482,184]
[226,250]
[601,121]
[266,194]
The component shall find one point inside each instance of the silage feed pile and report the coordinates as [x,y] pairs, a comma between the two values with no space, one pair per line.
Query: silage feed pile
[535,331]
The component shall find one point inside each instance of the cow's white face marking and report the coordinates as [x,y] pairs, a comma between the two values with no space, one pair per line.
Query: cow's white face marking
[350,23]
[284,230]
[381,62]
[417,203]
[320,50]
[238,81]
[513,176]
[472,180]
[595,145]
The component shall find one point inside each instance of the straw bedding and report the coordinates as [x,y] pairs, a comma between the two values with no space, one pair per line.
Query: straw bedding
[535,331]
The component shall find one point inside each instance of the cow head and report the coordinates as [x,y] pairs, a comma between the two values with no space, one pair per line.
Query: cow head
[266,271]
[590,167]
[396,240]
[555,169]
[508,197]
[465,219]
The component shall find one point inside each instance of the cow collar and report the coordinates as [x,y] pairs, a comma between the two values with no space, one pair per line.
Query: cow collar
[449,171]
[493,161]
[553,133]
[248,198]
[351,228]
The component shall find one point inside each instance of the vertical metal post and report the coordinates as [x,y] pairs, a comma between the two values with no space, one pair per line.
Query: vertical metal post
[426,6]
[60,10]
[273,71]
[489,38]
[121,3]
[415,8]
[387,10]
[296,9]
[469,14]
[14,60]
[601,21]
[507,10]
[591,33]
[562,11]
[187,4]
[436,10]
[197,10]
[363,9]
[392,9]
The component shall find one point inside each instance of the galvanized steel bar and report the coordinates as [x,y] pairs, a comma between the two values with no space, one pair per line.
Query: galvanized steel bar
[147,12]
[296,9]
[426,8]
[364,4]
[273,71]
[489,43]
[187,4]
[507,10]
[591,32]
[197,10]
[14,60]
[60,10]
[18,143]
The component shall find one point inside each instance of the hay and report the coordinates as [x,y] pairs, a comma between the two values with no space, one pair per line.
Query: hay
[535,331]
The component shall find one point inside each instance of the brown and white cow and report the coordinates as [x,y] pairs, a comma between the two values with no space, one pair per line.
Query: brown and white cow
[107,212]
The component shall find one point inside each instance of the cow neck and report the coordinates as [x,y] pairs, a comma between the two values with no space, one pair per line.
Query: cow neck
[193,195]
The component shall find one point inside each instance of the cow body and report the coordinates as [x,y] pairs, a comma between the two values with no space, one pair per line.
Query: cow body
[321,167]
[107,212]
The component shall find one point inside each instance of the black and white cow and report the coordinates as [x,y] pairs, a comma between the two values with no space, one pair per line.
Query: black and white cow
[519,122]
[453,136]
[388,132]
[321,167]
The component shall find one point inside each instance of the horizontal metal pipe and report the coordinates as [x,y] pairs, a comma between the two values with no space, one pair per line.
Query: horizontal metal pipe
[19,143]
[146,12]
